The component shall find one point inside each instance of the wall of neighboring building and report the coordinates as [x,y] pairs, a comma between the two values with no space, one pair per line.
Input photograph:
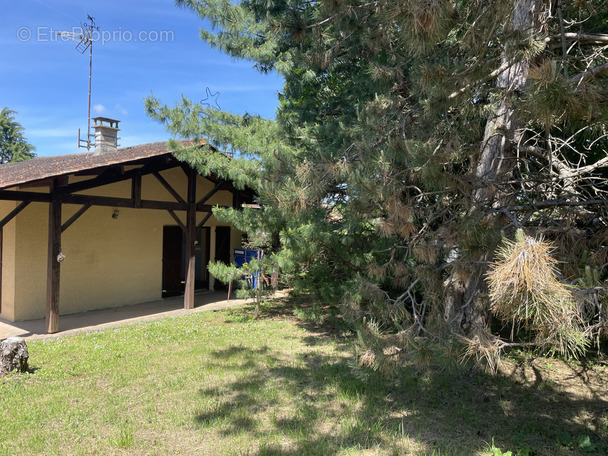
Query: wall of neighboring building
[108,261]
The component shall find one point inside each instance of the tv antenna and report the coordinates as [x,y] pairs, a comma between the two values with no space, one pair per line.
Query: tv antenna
[85,41]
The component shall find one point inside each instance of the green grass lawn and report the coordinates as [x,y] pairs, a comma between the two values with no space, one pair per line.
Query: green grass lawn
[221,384]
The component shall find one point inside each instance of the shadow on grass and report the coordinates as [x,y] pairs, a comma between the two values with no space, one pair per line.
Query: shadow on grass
[455,411]
[318,319]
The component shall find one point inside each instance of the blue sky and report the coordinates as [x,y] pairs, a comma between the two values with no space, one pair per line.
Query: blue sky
[142,48]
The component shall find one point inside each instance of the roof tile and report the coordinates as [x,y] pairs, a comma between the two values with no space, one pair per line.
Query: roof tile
[44,167]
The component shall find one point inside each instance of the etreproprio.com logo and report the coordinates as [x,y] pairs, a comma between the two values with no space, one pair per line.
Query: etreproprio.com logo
[44,33]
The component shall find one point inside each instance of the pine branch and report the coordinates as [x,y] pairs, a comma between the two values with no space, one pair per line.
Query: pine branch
[550,204]
[340,13]
[565,171]
[594,72]
[494,74]
[581,38]
[563,38]
[591,290]
[589,168]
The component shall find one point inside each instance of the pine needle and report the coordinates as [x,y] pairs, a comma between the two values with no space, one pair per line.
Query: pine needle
[524,288]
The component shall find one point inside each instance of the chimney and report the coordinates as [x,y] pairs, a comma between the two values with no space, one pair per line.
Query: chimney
[106,135]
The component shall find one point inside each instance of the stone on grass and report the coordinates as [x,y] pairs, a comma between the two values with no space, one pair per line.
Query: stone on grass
[13,355]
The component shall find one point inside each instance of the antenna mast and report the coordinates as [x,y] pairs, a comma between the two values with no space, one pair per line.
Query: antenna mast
[85,41]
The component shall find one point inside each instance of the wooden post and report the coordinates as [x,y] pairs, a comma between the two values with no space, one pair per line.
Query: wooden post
[1,260]
[236,200]
[136,190]
[190,239]
[53,264]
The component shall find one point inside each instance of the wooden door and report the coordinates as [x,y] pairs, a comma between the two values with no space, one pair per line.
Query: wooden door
[222,250]
[201,252]
[172,261]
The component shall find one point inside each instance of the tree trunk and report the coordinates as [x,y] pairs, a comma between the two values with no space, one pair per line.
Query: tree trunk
[465,308]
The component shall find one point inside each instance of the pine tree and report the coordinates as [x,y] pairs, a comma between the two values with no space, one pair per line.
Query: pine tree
[13,145]
[412,137]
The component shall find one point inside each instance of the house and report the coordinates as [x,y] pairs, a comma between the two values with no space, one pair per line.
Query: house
[108,228]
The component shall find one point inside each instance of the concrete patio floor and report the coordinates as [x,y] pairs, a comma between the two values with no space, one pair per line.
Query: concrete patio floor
[206,301]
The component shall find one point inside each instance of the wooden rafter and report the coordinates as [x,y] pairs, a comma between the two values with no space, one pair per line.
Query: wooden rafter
[13,213]
[113,175]
[75,217]
[167,186]
[177,220]
[212,192]
[203,221]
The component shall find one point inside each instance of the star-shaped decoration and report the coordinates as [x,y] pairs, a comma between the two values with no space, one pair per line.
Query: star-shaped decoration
[210,101]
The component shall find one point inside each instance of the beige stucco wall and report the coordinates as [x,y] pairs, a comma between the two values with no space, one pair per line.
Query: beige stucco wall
[8,263]
[108,262]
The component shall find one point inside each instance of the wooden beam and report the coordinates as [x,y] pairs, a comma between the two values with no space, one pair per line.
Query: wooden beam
[123,202]
[112,176]
[13,213]
[89,172]
[185,168]
[136,190]
[17,195]
[1,260]
[178,221]
[108,175]
[202,222]
[236,200]
[206,207]
[212,179]
[211,192]
[75,217]
[95,200]
[53,264]
[44,182]
[190,240]
[170,189]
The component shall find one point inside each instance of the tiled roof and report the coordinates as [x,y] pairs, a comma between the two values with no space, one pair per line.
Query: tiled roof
[43,167]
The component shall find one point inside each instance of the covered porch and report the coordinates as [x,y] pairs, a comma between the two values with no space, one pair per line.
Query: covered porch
[132,225]
[94,320]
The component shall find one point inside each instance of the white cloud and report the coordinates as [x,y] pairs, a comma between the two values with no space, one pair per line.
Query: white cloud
[99,108]
[121,110]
